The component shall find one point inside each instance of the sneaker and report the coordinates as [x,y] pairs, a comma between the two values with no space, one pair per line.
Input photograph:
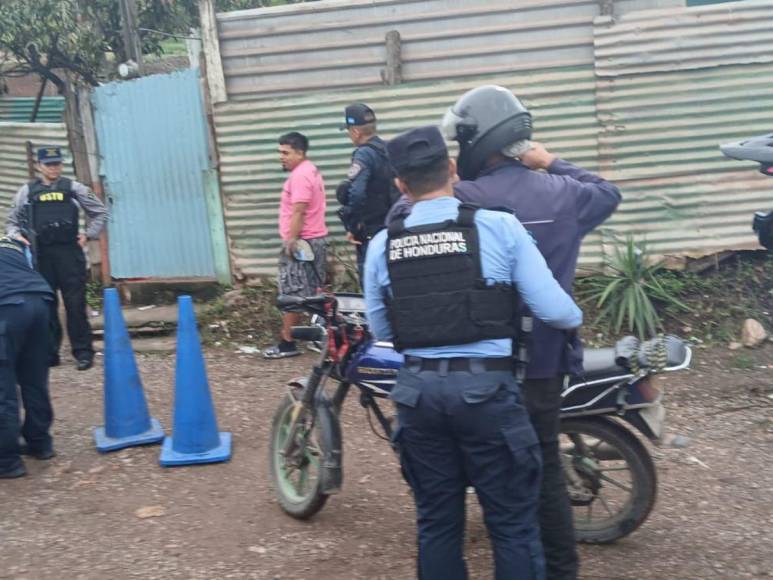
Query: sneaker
[314,346]
[282,350]
[41,454]
[14,473]
[84,364]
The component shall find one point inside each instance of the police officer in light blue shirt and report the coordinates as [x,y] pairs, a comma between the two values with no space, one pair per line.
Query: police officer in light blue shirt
[444,285]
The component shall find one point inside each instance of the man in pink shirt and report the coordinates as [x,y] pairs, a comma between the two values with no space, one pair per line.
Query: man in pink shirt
[301,218]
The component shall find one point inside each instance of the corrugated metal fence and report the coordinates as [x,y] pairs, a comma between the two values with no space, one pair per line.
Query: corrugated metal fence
[19,109]
[13,155]
[337,44]
[672,86]
[545,53]
[562,100]
[645,98]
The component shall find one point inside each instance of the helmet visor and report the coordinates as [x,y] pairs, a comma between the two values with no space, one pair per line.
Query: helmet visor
[449,124]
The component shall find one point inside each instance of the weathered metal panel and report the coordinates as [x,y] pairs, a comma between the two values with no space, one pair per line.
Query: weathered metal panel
[671,88]
[19,109]
[562,101]
[333,44]
[13,155]
[152,137]
[683,39]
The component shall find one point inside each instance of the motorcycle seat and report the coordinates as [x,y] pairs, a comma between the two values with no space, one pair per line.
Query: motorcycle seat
[615,361]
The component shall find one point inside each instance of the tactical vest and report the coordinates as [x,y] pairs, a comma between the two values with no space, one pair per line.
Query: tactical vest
[439,295]
[16,275]
[381,191]
[54,213]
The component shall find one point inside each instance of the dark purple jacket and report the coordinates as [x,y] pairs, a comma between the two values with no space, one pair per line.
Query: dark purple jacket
[558,208]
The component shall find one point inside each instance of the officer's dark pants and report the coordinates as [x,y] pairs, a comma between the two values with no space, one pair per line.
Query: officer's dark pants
[24,361]
[543,400]
[64,268]
[456,428]
[362,249]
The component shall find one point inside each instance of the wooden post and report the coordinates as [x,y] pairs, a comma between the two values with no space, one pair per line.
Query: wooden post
[211,47]
[393,72]
[30,160]
[82,141]
[92,157]
[130,32]
[213,190]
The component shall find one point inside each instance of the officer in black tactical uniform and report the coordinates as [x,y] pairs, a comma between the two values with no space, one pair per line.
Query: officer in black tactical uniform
[46,215]
[25,300]
[444,285]
[368,191]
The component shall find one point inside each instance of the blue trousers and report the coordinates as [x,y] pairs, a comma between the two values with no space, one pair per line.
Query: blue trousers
[24,351]
[460,428]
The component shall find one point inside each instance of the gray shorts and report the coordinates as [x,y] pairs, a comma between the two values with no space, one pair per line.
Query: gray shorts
[303,278]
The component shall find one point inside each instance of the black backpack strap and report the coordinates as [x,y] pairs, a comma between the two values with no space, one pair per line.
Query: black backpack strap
[66,185]
[396,228]
[467,215]
[378,147]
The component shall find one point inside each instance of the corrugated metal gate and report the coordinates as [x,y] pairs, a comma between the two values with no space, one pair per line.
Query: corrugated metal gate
[155,163]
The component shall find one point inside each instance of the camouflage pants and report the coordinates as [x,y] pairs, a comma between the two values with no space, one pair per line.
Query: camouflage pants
[303,278]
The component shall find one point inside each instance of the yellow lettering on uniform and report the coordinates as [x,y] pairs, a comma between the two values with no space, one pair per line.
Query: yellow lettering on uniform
[53,196]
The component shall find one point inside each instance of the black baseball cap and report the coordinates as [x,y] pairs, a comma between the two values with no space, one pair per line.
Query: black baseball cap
[49,155]
[416,149]
[358,114]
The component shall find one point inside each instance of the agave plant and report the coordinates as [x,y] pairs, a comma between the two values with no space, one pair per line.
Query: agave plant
[630,293]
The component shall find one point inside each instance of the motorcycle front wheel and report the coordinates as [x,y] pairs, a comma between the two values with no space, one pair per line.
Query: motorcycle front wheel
[296,475]
[610,476]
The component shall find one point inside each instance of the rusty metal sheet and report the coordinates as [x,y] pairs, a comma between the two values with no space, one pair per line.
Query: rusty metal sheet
[333,45]
[661,147]
[13,155]
[562,101]
[684,38]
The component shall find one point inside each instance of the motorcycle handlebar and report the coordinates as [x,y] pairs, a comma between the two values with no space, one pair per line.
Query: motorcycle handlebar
[285,302]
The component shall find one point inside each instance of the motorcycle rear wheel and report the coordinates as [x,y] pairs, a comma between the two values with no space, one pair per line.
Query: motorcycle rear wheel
[617,479]
[296,477]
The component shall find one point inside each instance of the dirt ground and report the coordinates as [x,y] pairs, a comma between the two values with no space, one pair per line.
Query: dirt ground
[77,515]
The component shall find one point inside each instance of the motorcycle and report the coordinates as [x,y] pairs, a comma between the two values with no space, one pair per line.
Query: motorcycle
[610,474]
[759,149]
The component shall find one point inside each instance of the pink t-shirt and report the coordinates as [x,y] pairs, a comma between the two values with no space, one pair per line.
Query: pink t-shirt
[305,185]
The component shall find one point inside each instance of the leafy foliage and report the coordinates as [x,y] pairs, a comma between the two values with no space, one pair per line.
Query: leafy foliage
[632,293]
[47,37]
[342,266]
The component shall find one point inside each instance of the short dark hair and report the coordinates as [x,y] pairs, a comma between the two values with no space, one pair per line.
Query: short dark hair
[297,141]
[431,177]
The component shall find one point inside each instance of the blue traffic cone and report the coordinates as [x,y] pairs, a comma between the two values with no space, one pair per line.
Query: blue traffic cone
[195,438]
[127,421]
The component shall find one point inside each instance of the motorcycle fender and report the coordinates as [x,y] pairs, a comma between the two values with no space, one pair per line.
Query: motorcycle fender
[331,464]
[633,416]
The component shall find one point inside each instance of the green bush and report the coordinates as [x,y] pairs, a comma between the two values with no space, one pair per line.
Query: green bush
[632,292]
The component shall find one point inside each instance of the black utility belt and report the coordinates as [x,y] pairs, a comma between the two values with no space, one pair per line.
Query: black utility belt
[459,364]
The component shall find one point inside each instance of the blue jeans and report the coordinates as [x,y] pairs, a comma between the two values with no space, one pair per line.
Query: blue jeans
[460,428]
